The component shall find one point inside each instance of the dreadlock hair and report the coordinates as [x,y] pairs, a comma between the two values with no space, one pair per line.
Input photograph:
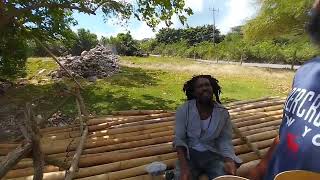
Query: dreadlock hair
[188,87]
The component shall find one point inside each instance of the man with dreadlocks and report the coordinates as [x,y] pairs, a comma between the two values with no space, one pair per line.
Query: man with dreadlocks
[203,132]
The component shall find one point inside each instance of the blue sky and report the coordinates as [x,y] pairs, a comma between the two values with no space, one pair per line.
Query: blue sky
[231,13]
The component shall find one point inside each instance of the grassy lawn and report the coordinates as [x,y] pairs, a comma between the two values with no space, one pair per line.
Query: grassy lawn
[151,83]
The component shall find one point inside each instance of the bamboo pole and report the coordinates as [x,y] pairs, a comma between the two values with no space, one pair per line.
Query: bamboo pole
[140,170]
[28,171]
[261,125]
[258,121]
[237,119]
[257,105]
[241,149]
[59,146]
[137,112]
[110,157]
[237,149]
[75,134]
[252,156]
[98,120]
[62,146]
[110,131]
[126,124]
[253,135]
[75,161]
[108,140]
[13,158]
[238,103]
[129,145]
[111,167]
[110,121]
[257,137]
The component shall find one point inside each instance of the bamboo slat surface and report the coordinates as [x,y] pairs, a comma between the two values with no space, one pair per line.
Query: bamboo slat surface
[121,145]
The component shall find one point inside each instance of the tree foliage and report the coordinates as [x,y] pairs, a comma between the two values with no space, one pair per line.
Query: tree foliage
[192,35]
[124,44]
[278,18]
[51,19]
[85,40]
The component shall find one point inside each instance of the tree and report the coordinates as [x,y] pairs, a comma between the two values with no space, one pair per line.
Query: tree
[148,45]
[277,18]
[84,41]
[192,35]
[51,19]
[125,44]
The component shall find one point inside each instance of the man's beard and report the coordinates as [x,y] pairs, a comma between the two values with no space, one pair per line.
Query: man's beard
[205,100]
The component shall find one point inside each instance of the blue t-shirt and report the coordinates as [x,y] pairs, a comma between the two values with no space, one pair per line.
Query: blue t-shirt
[299,147]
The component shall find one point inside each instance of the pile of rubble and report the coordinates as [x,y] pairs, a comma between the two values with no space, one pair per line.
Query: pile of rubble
[99,62]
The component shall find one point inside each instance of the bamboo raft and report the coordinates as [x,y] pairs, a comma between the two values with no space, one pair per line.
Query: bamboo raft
[121,145]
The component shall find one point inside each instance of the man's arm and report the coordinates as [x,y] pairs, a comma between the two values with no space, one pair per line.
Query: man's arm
[260,170]
[225,146]
[180,143]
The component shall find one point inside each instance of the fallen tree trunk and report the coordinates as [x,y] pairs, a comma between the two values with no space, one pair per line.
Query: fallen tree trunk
[13,158]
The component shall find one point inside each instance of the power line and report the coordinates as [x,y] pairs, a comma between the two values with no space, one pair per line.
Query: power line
[214,23]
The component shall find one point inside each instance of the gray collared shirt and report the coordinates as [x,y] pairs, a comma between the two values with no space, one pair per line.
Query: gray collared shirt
[218,139]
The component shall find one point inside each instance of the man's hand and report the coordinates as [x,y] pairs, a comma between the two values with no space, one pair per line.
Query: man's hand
[230,167]
[256,173]
[185,173]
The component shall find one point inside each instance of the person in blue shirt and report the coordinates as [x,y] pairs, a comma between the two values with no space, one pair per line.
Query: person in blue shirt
[203,132]
[298,145]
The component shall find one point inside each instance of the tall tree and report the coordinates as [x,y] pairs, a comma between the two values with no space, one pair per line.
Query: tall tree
[47,19]
[125,44]
[85,41]
[192,35]
[277,18]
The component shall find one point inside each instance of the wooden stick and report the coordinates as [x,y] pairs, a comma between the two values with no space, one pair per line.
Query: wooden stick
[13,158]
[33,135]
[79,115]
[82,105]
[75,161]
[246,140]
[56,162]
[57,61]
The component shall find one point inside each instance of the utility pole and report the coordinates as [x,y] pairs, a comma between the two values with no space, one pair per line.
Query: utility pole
[214,23]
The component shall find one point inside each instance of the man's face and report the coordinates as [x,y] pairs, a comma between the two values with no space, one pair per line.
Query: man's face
[203,91]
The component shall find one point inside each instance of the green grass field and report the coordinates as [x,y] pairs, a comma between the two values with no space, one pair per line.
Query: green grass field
[151,83]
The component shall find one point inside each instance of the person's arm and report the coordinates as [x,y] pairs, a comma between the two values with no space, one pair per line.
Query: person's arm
[260,170]
[180,143]
[224,143]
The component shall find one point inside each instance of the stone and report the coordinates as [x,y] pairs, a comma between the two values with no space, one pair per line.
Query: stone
[98,62]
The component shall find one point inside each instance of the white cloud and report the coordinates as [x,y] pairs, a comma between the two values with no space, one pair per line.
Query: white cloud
[195,5]
[142,32]
[238,12]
